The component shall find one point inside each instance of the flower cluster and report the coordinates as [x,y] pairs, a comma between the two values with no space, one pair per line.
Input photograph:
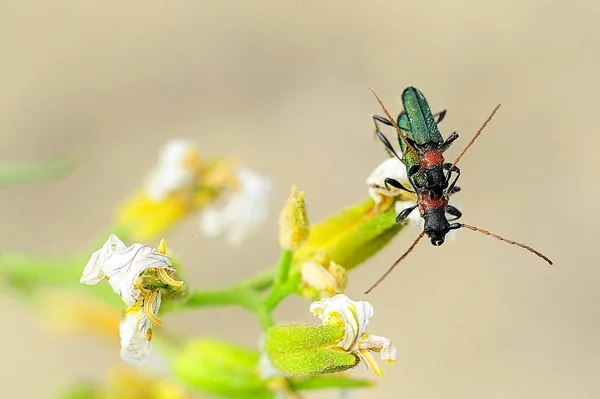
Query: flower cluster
[233,202]
[182,182]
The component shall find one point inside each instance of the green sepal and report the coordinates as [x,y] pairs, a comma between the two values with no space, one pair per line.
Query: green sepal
[351,236]
[221,369]
[305,349]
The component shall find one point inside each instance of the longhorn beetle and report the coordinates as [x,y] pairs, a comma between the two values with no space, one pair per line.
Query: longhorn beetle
[419,136]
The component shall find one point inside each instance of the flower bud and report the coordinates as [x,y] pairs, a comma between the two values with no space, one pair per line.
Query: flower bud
[221,369]
[304,349]
[293,222]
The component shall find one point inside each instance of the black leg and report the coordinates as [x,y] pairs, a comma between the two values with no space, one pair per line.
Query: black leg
[385,121]
[449,141]
[395,183]
[412,170]
[451,210]
[454,190]
[404,214]
[440,116]
[455,226]
[450,169]
[388,146]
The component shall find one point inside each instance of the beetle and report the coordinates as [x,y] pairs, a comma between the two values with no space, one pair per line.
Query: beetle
[417,141]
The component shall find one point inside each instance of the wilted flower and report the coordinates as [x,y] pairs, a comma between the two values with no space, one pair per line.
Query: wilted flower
[341,311]
[136,274]
[245,211]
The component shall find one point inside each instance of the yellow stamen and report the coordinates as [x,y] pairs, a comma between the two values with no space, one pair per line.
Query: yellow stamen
[162,246]
[148,301]
[163,274]
[139,284]
[371,362]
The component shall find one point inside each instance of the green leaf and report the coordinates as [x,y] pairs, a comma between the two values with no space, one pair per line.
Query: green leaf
[16,173]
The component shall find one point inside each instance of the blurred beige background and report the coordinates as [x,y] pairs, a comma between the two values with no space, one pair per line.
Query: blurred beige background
[285,84]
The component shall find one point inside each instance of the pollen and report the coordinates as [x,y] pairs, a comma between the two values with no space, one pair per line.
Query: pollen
[149,335]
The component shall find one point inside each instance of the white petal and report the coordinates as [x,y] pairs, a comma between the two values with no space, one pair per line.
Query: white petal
[341,310]
[94,269]
[173,170]
[391,168]
[245,211]
[136,333]
[384,346]
[123,268]
[122,265]
[316,276]
[414,217]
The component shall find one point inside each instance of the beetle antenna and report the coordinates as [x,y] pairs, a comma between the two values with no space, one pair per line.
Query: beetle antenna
[476,135]
[393,121]
[518,244]
[409,250]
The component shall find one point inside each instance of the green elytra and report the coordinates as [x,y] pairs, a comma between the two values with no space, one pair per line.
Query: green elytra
[420,127]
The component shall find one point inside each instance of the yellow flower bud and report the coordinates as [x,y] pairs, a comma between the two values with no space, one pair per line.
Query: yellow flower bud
[294,225]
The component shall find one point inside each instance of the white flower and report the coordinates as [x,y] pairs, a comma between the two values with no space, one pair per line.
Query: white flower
[354,316]
[130,271]
[136,333]
[245,211]
[176,169]
[391,168]
[122,266]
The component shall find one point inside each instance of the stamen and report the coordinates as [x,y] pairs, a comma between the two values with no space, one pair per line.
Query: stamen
[163,274]
[162,246]
[370,361]
[148,302]
[139,284]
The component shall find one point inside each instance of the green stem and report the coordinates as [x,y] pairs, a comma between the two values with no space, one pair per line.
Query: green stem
[11,174]
[284,267]
[265,318]
[246,298]
[259,282]
[31,271]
